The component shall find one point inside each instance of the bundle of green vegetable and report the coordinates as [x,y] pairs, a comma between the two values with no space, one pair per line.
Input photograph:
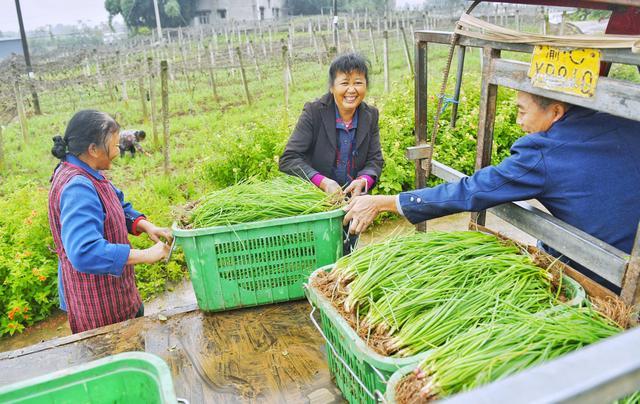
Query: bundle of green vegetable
[419,291]
[254,200]
[493,351]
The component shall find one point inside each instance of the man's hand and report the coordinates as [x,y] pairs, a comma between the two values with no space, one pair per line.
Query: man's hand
[362,210]
[155,233]
[329,186]
[357,187]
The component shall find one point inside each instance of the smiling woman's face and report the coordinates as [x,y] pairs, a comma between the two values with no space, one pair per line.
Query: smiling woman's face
[349,89]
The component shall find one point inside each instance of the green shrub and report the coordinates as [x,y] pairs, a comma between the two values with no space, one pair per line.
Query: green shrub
[252,151]
[28,265]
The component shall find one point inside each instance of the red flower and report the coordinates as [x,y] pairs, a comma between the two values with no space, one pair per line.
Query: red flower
[13,312]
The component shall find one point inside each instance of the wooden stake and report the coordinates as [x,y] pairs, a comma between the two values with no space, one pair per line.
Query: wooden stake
[285,75]
[263,45]
[316,47]
[407,52]
[212,77]
[325,46]
[233,71]
[21,114]
[385,60]
[152,98]
[373,45]
[98,72]
[1,149]
[143,101]
[255,60]
[353,46]
[243,76]
[165,113]
[122,77]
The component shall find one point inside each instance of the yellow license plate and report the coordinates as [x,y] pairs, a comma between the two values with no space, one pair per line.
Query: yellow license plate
[570,71]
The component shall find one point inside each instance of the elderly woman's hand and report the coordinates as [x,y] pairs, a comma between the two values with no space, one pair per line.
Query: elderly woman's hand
[155,233]
[362,210]
[357,187]
[331,187]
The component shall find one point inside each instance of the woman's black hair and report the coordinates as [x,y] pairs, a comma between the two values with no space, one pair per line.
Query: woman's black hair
[86,127]
[347,63]
[141,135]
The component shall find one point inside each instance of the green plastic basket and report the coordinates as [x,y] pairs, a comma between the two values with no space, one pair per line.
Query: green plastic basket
[390,395]
[132,377]
[360,373]
[259,263]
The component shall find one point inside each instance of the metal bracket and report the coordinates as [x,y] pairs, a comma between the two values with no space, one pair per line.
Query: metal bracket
[420,152]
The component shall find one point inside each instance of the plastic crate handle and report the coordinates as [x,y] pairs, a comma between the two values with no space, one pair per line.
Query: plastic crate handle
[376,395]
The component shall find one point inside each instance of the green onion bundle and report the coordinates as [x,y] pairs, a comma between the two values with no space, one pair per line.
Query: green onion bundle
[492,288]
[414,293]
[255,200]
[495,350]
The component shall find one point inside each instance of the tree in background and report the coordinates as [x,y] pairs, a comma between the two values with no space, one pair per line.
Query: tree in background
[140,13]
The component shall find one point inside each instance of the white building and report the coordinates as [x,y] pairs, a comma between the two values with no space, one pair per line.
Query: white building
[212,11]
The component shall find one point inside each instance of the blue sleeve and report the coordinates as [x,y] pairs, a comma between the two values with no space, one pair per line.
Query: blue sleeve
[519,177]
[82,222]
[130,214]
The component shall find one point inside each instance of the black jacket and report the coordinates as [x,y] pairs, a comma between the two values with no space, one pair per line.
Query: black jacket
[311,149]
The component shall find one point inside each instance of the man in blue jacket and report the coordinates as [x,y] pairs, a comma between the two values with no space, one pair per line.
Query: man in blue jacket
[582,165]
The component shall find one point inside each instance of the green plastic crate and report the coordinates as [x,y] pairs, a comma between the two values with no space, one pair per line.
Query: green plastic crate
[362,378]
[259,263]
[361,373]
[390,395]
[132,377]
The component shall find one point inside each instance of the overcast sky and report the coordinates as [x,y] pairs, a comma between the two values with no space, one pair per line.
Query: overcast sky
[38,13]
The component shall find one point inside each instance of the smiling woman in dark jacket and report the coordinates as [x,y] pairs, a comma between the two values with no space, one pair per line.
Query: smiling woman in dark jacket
[336,143]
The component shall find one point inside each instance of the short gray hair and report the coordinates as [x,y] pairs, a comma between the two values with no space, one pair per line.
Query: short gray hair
[545,102]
